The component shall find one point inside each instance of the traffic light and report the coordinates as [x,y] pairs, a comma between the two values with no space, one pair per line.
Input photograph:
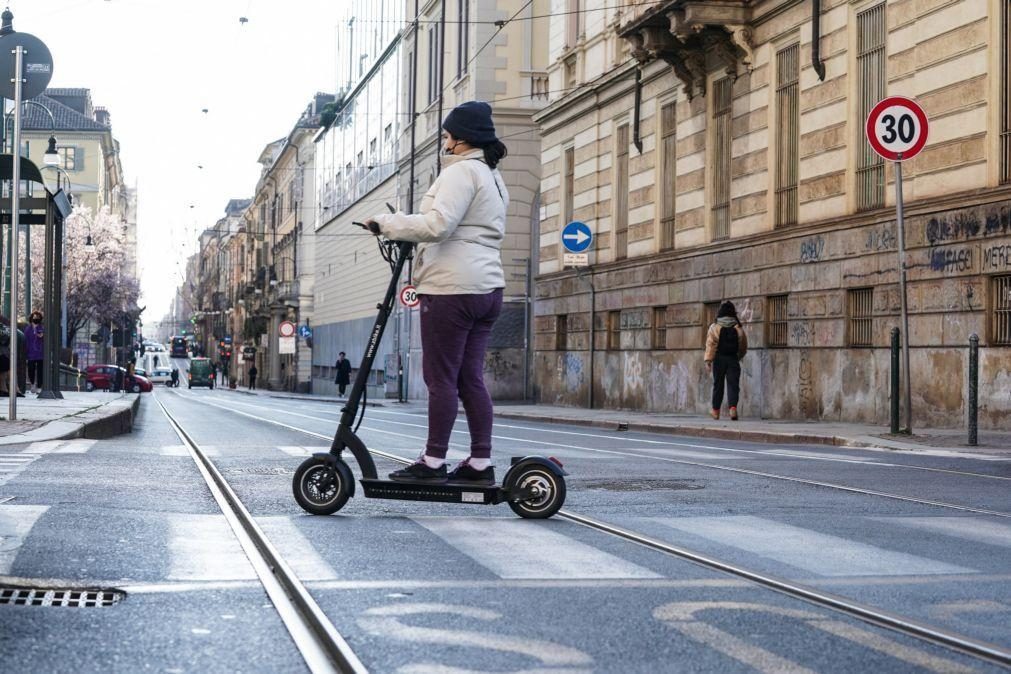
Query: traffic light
[117,338]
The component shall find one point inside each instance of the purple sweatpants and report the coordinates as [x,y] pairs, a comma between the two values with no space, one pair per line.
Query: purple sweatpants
[454,337]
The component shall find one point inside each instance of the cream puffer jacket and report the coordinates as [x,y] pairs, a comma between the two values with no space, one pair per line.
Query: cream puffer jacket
[459,229]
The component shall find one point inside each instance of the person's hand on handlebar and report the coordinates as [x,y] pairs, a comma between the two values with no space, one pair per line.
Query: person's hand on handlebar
[370,224]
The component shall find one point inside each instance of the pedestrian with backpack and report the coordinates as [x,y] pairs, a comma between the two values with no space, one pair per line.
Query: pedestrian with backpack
[726,344]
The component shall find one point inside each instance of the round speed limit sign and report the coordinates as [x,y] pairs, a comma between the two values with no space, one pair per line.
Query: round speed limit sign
[897,128]
[409,296]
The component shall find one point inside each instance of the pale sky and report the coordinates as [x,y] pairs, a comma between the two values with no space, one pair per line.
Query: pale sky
[155,64]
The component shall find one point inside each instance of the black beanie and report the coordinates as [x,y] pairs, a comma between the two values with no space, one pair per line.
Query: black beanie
[471,123]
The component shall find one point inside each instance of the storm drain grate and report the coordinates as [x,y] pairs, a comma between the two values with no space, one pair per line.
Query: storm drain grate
[21,596]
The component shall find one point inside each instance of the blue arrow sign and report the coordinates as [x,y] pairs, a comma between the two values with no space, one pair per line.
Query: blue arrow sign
[576,237]
[304,331]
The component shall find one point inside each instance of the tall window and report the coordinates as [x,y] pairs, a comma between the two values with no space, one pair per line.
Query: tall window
[620,194]
[1000,331]
[433,63]
[871,61]
[573,24]
[668,171]
[1005,92]
[561,332]
[787,133]
[463,34]
[659,328]
[70,158]
[721,159]
[861,312]
[775,321]
[569,185]
[613,330]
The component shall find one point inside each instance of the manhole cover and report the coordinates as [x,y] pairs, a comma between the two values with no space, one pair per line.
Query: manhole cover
[28,596]
[262,470]
[642,485]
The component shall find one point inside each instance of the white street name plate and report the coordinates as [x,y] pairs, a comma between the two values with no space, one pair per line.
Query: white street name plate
[575,260]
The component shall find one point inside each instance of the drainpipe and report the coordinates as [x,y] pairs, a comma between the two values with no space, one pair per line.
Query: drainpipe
[816,61]
[636,139]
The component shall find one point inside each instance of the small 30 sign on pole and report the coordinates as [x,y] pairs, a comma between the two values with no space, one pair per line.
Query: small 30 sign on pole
[897,129]
[409,296]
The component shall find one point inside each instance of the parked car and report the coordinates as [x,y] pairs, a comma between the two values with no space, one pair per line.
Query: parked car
[103,378]
[161,375]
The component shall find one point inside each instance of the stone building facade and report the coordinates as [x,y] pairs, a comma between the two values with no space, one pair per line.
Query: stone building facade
[717,155]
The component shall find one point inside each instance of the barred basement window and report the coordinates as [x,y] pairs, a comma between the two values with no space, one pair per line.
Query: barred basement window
[659,328]
[1001,293]
[668,171]
[871,86]
[620,194]
[613,330]
[860,307]
[561,332]
[1005,91]
[721,159]
[775,321]
[787,133]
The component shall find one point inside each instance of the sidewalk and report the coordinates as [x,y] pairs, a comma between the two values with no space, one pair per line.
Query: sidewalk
[992,444]
[78,415]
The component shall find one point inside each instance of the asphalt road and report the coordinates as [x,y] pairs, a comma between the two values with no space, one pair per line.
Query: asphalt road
[417,587]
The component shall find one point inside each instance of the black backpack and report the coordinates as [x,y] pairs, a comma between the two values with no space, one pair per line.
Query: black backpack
[728,344]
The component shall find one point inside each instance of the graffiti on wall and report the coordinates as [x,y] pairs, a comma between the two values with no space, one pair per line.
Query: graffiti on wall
[806,388]
[969,224]
[573,365]
[632,372]
[951,259]
[997,258]
[812,249]
[881,238]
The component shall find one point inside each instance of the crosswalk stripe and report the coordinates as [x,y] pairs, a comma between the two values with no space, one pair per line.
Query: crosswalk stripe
[15,523]
[976,529]
[203,547]
[77,446]
[819,553]
[512,548]
[183,450]
[296,549]
[300,450]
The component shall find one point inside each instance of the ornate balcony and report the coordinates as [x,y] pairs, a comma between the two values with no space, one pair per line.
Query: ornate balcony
[684,33]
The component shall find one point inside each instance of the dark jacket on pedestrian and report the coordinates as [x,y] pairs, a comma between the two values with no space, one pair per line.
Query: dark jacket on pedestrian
[726,336]
[343,372]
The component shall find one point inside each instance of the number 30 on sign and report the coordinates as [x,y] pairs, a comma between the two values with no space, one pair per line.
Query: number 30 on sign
[897,128]
[409,296]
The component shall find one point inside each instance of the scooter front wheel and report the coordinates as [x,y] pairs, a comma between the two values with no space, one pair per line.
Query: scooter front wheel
[547,489]
[322,487]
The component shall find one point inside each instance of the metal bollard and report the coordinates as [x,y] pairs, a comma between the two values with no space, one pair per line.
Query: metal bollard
[973,389]
[895,382]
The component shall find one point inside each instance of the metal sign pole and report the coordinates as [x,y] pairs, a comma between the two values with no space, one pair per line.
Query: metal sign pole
[902,291]
[12,386]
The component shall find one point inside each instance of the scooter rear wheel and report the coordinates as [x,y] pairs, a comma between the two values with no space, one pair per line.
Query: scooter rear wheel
[322,487]
[549,490]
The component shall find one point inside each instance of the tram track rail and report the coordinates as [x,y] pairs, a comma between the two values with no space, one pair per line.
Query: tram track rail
[894,622]
[320,644]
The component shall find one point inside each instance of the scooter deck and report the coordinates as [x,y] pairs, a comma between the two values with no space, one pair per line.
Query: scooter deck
[446,492]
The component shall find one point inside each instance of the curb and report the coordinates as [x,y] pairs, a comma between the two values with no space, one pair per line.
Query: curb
[105,421]
[696,431]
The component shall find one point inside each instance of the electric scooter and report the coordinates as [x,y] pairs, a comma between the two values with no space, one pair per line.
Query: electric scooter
[534,486]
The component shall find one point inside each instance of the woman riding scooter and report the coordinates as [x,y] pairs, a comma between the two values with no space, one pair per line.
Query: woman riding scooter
[459,277]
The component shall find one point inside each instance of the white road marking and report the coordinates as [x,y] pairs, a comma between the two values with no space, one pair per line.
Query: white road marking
[203,547]
[296,549]
[683,616]
[978,529]
[15,523]
[78,446]
[812,551]
[303,451]
[384,621]
[9,467]
[183,450]
[512,548]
